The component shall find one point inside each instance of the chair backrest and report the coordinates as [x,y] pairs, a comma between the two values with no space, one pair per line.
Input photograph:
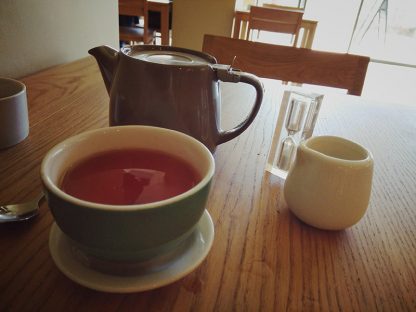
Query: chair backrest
[136,8]
[280,20]
[338,70]
[300,6]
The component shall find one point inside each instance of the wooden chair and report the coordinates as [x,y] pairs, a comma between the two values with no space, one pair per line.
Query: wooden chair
[301,5]
[135,33]
[279,20]
[338,70]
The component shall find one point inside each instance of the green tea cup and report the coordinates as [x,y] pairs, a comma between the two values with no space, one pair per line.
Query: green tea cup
[127,233]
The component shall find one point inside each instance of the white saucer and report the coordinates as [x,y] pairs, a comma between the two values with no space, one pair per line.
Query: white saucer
[184,263]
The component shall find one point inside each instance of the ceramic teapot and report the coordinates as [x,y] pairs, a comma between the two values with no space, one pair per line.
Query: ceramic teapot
[172,88]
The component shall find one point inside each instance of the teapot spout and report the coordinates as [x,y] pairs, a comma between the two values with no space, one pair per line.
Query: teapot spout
[107,59]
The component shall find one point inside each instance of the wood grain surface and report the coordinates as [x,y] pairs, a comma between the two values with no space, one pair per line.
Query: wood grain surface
[263,258]
[337,70]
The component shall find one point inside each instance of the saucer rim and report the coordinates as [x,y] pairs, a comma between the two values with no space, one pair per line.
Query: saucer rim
[96,280]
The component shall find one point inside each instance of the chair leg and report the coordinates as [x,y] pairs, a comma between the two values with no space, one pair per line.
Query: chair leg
[295,39]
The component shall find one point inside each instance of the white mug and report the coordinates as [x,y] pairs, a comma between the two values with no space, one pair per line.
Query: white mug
[14,120]
[329,184]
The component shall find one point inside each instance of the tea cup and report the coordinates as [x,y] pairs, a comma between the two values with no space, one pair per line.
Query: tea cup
[127,233]
[14,120]
[329,184]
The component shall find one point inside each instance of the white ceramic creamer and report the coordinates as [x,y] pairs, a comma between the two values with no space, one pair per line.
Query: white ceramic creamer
[329,184]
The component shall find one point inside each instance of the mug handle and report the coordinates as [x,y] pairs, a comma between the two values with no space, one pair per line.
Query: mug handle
[227,74]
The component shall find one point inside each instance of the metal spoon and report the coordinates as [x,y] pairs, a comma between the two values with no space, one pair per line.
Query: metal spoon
[20,212]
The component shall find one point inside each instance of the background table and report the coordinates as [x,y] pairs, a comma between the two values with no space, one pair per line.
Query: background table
[263,258]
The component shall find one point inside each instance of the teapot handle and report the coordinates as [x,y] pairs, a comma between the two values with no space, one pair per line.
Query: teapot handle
[227,74]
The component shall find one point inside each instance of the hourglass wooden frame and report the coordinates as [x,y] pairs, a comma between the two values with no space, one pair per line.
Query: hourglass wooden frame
[297,117]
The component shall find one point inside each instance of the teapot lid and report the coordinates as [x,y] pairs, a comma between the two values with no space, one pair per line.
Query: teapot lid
[167,55]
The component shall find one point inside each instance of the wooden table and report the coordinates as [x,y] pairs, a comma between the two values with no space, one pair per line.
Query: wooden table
[162,6]
[263,258]
[307,28]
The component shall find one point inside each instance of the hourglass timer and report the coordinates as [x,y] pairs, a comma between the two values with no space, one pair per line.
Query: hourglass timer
[296,121]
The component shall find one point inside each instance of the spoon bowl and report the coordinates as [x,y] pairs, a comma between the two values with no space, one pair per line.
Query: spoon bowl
[20,212]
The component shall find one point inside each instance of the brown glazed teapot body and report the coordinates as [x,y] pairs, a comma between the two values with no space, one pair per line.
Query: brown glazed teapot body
[171,88]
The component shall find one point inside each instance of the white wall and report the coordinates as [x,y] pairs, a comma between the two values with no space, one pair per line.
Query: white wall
[36,34]
[194,18]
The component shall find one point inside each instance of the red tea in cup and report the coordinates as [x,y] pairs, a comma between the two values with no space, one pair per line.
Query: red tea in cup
[128,177]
